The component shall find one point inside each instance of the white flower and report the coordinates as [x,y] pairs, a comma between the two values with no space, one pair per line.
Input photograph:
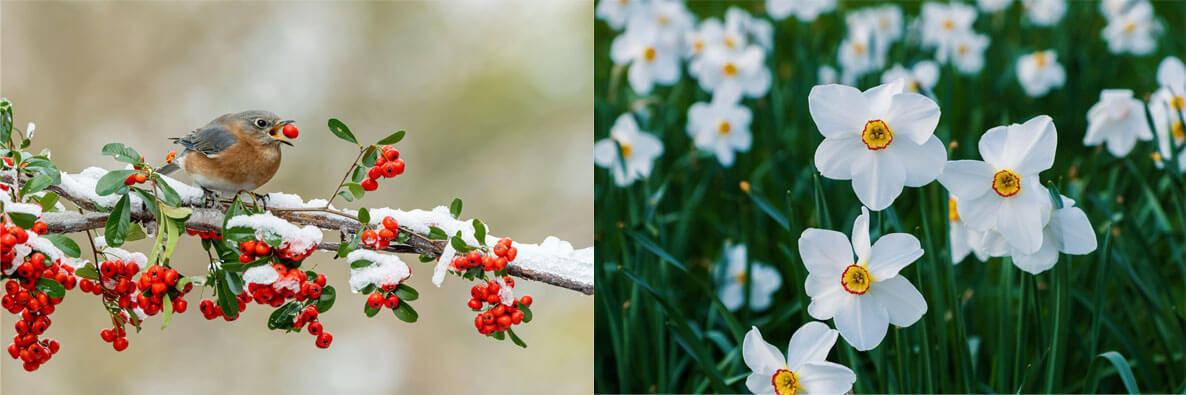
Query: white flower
[1044,12]
[805,370]
[967,52]
[827,75]
[615,13]
[651,59]
[638,148]
[1119,119]
[1112,8]
[993,5]
[941,23]
[1133,31]
[1069,231]
[885,22]
[804,10]
[1003,192]
[764,281]
[759,30]
[864,295]
[882,139]
[720,127]
[720,71]
[964,240]
[1040,72]
[921,77]
[857,56]
[1167,106]
[712,34]
[670,18]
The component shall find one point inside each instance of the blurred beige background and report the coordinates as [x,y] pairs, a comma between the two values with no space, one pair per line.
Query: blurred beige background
[495,95]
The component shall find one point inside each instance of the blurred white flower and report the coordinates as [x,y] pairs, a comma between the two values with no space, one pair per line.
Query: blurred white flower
[882,139]
[967,52]
[1003,192]
[857,56]
[759,30]
[670,18]
[1040,72]
[1119,119]
[921,77]
[1112,8]
[721,72]
[941,23]
[827,75]
[1133,30]
[712,34]
[651,60]
[1069,231]
[764,281]
[638,148]
[1167,107]
[993,5]
[884,22]
[805,370]
[721,127]
[615,13]
[964,240]
[804,10]
[1044,12]
[864,295]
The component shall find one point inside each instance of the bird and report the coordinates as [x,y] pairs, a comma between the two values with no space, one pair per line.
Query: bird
[234,153]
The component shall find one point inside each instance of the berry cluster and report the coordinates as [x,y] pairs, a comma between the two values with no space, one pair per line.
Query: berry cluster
[156,283]
[116,335]
[12,235]
[499,317]
[293,284]
[137,178]
[388,165]
[115,283]
[384,297]
[382,238]
[308,315]
[252,250]
[504,253]
[210,310]
[211,235]
[26,294]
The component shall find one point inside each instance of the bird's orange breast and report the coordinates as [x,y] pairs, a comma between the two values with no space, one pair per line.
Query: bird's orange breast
[244,166]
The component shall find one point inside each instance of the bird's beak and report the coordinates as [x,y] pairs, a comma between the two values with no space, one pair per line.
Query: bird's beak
[278,135]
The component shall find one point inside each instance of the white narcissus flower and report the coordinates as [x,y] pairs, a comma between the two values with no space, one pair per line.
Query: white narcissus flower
[1167,107]
[638,148]
[885,23]
[712,34]
[1113,8]
[616,13]
[866,294]
[721,127]
[964,240]
[759,30]
[941,23]
[803,10]
[805,370]
[1119,119]
[1069,231]
[1003,192]
[763,281]
[651,59]
[857,56]
[993,5]
[827,75]
[1133,30]
[967,52]
[921,77]
[882,139]
[1044,12]
[720,71]
[1040,72]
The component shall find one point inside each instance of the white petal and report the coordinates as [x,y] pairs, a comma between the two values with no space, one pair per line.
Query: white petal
[640,78]
[605,152]
[1074,230]
[992,147]
[1171,72]
[1039,261]
[913,116]
[837,109]
[760,356]
[980,213]
[759,383]
[923,163]
[902,301]
[825,252]
[966,179]
[891,253]
[863,323]
[810,343]
[826,378]
[1034,144]
[959,242]
[827,296]
[833,157]
[1020,222]
[860,235]
[877,180]
[880,97]
[732,295]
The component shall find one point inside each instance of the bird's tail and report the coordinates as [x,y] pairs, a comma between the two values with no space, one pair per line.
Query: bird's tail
[167,169]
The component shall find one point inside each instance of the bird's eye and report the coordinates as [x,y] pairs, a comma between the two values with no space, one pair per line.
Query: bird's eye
[261,123]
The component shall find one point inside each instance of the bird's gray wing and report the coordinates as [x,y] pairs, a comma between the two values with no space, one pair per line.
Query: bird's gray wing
[209,140]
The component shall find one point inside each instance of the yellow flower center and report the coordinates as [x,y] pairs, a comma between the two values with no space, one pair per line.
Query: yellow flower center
[740,278]
[1129,27]
[724,128]
[877,135]
[1040,59]
[1178,102]
[1156,156]
[962,49]
[698,45]
[1178,131]
[663,20]
[952,213]
[856,279]
[1006,183]
[859,48]
[730,69]
[948,25]
[649,54]
[785,382]
[730,42]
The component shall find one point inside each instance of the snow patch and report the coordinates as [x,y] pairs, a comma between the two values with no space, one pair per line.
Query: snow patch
[295,238]
[138,258]
[262,274]
[384,270]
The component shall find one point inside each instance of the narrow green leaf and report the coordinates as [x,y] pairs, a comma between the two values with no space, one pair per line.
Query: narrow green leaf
[113,182]
[455,208]
[167,305]
[393,138]
[339,129]
[359,264]
[364,215]
[1123,369]
[51,287]
[515,338]
[435,233]
[67,245]
[480,231]
[118,222]
[406,313]
[36,184]
[407,293]
[326,301]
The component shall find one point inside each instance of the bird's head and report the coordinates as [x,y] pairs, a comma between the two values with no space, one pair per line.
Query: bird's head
[265,126]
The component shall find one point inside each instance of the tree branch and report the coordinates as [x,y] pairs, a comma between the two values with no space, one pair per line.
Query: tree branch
[567,270]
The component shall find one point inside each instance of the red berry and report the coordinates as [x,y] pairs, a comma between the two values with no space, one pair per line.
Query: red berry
[392,302]
[291,131]
[40,227]
[375,301]
[386,234]
[120,344]
[130,180]
[315,328]
[389,170]
[390,153]
[391,223]
[369,184]
[141,178]
[107,335]
[179,306]
[262,249]
[475,304]
[525,300]
[504,321]
[399,166]
[324,339]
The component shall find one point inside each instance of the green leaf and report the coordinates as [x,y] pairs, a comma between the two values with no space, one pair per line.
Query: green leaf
[87,271]
[515,338]
[326,301]
[68,246]
[500,336]
[283,316]
[178,213]
[364,216]
[370,288]
[480,231]
[526,312]
[167,305]
[426,258]
[113,182]
[48,201]
[435,233]
[51,288]
[358,174]
[135,233]
[407,293]
[393,138]
[170,194]
[24,220]
[370,156]
[151,202]
[359,264]
[234,282]
[1123,369]
[339,129]
[116,231]
[458,244]
[227,301]
[356,189]
[455,208]
[36,184]
[406,313]
[346,195]
[370,312]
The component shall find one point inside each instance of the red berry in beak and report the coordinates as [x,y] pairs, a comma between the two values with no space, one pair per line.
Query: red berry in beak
[291,131]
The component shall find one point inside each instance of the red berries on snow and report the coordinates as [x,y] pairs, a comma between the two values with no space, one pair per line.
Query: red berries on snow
[381,238]
[504,253]
[499,317]
[387,165]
